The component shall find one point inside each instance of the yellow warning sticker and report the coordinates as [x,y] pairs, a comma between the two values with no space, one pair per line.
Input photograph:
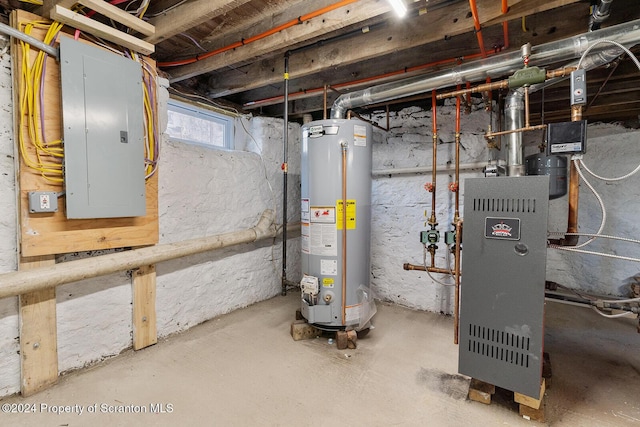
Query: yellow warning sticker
[351,214]
[327,282]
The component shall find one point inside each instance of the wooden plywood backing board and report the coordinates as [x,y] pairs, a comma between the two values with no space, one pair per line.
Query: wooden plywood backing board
[53,233]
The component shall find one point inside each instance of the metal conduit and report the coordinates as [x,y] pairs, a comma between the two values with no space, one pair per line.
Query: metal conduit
[627,34]
[38,44]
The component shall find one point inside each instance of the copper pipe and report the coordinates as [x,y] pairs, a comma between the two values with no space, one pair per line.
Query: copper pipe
[456,215]
[476,23]
[324,103]
[434,124]
[574,190]
[344,233]
[456,314]
[414,267]
[572,219]
[576,113]
[561,72]
[506,132]
[502,84]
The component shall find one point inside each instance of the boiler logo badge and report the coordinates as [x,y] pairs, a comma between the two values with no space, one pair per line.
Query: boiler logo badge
[501,230]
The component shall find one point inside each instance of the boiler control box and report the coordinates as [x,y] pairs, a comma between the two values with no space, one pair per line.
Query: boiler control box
[567,138]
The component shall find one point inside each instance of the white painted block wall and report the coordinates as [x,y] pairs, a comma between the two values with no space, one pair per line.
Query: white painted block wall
[201,192]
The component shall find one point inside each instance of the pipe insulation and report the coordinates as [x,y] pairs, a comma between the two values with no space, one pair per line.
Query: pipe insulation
[627,34]
[26,281]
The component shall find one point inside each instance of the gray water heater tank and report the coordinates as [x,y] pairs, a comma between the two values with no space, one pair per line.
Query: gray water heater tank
[554,166]
[325,145]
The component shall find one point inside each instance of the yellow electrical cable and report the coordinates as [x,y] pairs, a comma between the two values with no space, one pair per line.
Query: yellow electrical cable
[48,155]
[524,24]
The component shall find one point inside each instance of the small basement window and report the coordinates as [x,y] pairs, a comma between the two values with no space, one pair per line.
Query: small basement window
[198,125]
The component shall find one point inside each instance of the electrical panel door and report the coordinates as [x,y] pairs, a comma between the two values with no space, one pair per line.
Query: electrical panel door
[503,277]
[102,109]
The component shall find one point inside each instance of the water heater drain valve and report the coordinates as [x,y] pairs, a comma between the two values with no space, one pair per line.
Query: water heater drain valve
[309,285]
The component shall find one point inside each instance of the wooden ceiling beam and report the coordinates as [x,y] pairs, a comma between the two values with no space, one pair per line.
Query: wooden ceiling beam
[407,34]
[189,15]
[285,39]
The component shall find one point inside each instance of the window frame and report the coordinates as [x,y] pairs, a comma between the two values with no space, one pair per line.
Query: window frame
[204,113]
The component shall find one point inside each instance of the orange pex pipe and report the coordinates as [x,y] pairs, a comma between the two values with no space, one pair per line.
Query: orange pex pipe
[505,24]
[476,23]
[260,36]
[366,79]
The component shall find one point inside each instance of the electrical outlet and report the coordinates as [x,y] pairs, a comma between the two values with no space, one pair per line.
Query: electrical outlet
[43,201]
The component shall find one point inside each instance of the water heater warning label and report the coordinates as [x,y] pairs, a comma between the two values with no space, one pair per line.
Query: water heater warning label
[329,267]
[360,135]
[324,214]
[319,239]
[353,313]
[351,214]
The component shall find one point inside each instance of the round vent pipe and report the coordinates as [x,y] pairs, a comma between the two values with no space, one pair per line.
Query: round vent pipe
[627,34]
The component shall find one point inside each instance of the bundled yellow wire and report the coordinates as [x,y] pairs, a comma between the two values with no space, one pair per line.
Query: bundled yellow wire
[151,151]
[48,155]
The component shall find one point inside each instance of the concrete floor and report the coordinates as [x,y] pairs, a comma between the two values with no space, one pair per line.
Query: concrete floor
[244,369]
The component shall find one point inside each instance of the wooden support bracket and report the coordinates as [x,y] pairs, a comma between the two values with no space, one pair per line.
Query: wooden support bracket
[38,334]
[145,331]
[61,10]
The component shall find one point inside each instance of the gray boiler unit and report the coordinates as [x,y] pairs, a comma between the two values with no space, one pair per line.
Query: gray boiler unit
[503,278]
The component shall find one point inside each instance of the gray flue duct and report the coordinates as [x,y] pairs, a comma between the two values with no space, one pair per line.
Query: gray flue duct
[514,119]
[627,34]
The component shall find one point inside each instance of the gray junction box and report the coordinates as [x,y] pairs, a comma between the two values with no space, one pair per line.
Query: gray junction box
[503,278]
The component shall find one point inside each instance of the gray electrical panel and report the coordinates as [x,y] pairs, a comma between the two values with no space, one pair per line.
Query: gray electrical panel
[102,110]
[503,277]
